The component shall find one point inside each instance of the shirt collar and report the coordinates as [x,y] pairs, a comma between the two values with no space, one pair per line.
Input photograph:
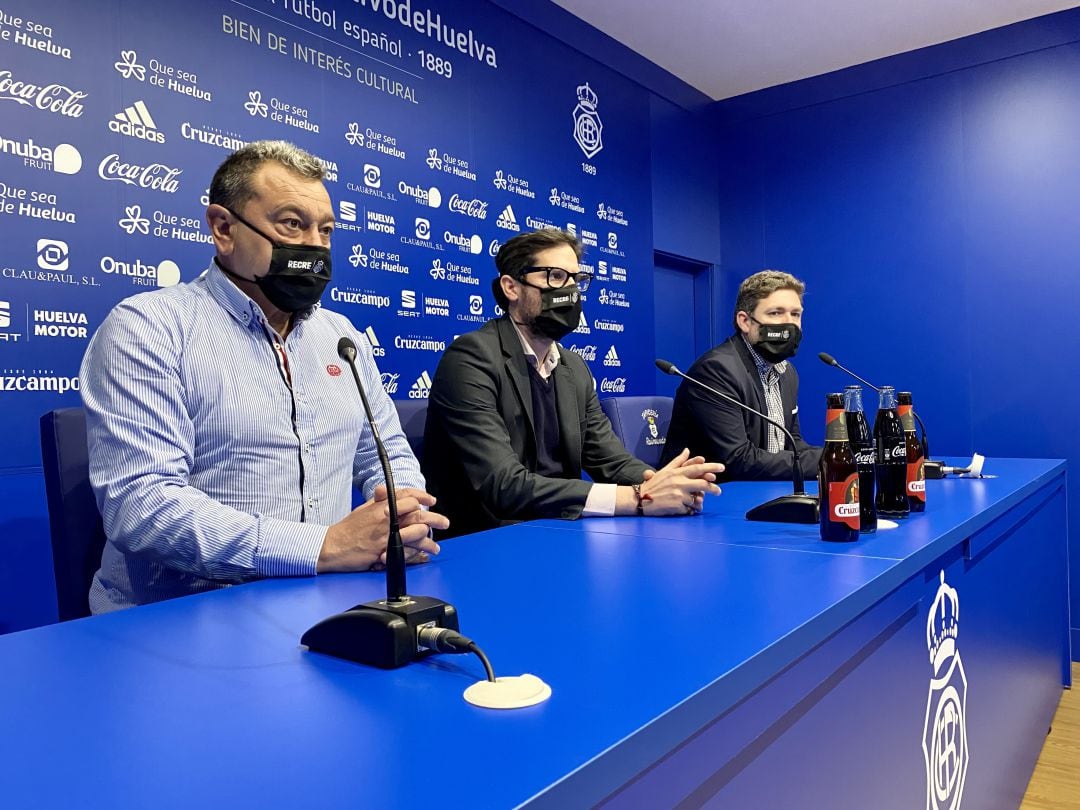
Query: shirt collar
[552,357]
[763,365]
[238,303]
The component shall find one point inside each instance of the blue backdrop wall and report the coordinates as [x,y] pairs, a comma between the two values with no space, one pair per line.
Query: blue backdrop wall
[446,127]
[931,203]
[928,199]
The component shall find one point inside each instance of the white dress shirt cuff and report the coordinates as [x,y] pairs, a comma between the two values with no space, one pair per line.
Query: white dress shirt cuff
[601,501]
[288,549]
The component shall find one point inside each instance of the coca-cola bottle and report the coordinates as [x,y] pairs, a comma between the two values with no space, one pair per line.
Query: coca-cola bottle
[862,445]
[838,477]
[891,462]
[915,480]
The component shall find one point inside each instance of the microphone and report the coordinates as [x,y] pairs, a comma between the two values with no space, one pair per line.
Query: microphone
[829,360]
[392,632]
[931,469]
[799,507]
[395,551]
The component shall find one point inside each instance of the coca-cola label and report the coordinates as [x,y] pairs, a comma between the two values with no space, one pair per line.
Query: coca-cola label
[866,457]
[844,501]
[835,425]
[916,480]
[894,453]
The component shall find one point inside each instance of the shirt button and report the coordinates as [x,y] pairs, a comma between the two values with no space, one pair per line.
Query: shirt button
[311,502]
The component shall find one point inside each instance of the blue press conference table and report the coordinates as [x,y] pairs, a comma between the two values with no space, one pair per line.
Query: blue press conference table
[697,662]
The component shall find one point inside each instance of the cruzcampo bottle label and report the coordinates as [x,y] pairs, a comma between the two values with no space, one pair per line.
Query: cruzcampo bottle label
[835,425]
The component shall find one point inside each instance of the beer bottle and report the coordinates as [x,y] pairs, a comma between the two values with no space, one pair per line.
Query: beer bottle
[915,480]
[891,462]
[862,445]
[838,477]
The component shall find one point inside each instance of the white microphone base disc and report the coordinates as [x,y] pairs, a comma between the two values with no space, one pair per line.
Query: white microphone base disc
[513,692]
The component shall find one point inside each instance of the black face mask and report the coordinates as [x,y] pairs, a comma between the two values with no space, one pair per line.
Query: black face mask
[560,311]
[777,341]
[297,276]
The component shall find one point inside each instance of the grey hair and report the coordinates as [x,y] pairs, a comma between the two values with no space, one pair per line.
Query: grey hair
[231,186]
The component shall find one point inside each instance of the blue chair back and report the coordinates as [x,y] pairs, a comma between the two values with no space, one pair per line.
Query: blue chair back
[413,415]
[78,536]
[641,423]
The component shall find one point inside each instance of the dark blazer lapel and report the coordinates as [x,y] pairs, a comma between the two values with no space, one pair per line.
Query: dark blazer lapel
[787,395]
[517,368]
[566,404]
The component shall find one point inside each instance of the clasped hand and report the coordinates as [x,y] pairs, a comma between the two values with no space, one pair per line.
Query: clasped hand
[679,487]
[358,541]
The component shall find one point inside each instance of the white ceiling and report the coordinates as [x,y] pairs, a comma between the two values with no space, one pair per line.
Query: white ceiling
[728,47]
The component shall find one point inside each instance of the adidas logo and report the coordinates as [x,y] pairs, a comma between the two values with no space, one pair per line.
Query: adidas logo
[507,220]
[376,347]
[612,358]
[422,387]
[136,122]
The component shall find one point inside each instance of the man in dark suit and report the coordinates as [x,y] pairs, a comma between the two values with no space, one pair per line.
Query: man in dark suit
[753,367]
[513,420]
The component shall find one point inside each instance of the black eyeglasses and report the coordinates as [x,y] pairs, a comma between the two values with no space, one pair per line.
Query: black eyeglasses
[557,277]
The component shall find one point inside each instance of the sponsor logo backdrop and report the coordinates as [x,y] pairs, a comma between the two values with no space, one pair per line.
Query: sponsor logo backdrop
[446,128]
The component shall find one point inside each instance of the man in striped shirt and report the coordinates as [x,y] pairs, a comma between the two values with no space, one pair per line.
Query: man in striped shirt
[224,432]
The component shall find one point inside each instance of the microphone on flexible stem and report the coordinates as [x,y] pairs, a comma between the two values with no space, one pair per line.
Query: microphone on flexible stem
[829,360]
[931,469]
[395,551]
[798,507]
[392,632]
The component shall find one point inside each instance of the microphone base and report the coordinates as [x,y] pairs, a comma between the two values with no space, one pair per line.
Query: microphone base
[380,634]
[799,508]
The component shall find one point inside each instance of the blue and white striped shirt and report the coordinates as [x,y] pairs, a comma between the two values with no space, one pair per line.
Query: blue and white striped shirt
[208,467]
[769,374]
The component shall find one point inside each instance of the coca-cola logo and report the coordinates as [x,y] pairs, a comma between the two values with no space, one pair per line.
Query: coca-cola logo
[155,176]
[616,385]
[470,208]
[586,352]
[865,457]
[895,454]
[389,381]
[54,98]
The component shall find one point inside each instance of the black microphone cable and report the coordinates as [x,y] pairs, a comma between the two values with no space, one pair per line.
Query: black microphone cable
[444,640]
